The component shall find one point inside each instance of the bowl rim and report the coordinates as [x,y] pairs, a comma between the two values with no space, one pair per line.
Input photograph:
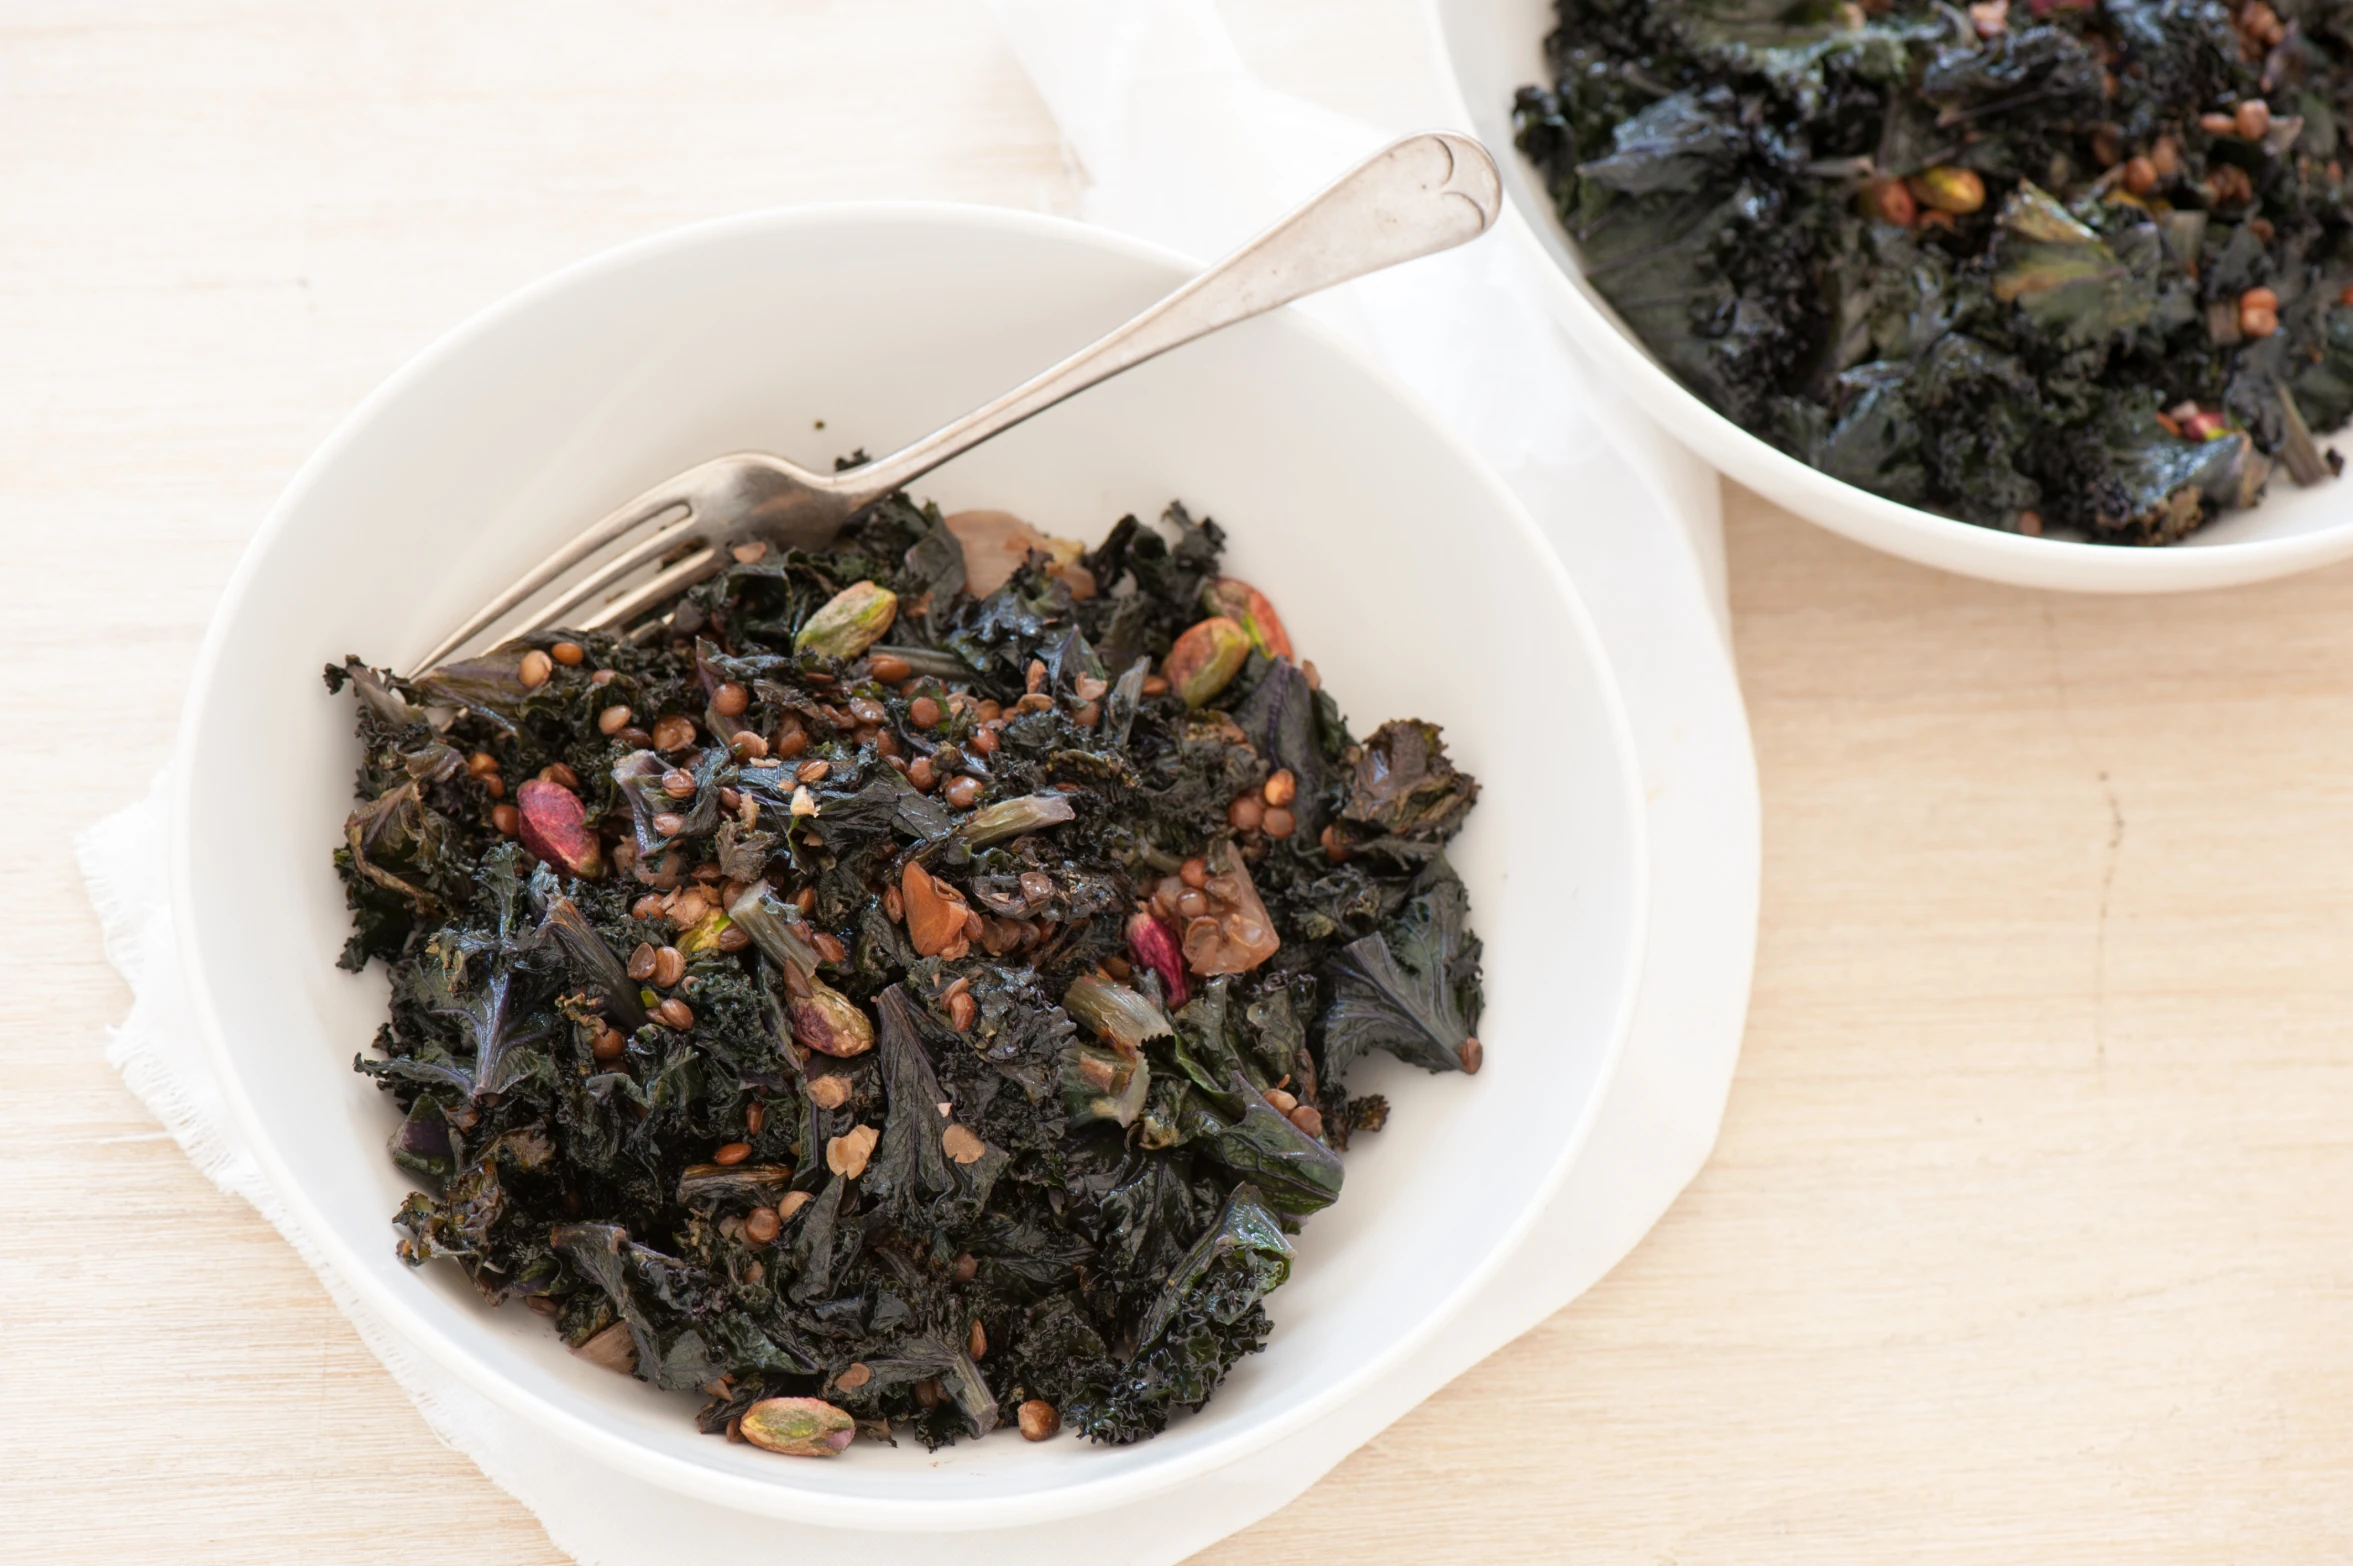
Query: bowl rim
[745,1493]
[2067,564]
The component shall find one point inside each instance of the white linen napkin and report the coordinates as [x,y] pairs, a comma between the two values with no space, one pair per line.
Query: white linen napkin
[1182,145]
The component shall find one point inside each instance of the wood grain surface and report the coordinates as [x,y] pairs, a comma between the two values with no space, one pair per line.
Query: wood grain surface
[2027,1238]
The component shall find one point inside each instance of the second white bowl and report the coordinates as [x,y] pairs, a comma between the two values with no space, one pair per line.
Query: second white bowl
[1495,47]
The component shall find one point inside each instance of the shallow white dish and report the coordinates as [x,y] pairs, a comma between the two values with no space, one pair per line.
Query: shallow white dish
[882,321]
[1495,47]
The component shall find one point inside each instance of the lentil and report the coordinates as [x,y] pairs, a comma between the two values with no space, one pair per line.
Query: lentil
[569,654]
[812,771]
[481,764]
[924,713]
[535,669]
[613,720]
[976,1342]
[675,1014]
[961,792]
[562,776]
[1039,1420]
[1281,789]
[890,670]
[673,733]
[761,1225]
[732,1153]
[669,967]
[678,783]
[829,1092]
[1279,824]
[730,699]
[962,1009]
[506,819]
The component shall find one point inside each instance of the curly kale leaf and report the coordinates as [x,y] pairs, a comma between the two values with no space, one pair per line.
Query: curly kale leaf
[1413,990]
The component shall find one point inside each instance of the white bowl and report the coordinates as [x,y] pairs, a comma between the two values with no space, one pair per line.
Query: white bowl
[1401,565]
[1495,47]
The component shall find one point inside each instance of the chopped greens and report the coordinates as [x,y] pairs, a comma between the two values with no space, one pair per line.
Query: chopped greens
[877,1007]
[2080,267]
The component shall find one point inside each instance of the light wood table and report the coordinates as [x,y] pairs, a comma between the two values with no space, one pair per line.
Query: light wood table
[2027,1238]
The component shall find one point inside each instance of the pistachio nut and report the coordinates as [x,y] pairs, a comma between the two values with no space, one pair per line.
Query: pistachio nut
[829,1022]
[851,621]
[553,824]
[1247,607]
[1153,945]
[1205,659]
[1948,188]
[798,1426]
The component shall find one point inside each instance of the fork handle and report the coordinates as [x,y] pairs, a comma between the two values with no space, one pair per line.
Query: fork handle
[1426,193]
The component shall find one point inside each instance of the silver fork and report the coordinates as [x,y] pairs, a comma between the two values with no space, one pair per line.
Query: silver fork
[1426,193]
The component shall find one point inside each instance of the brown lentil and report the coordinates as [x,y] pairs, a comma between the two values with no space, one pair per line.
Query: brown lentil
[1191,904]
[1335,851]
[985,741]
[635,738]
[648,907]
[748,745]
[562,776]
[812,771]
[894,906]
[1034,677]
[962,1009]
[613,720]
[924,713]
[1194,873]
[1472,1054]
[805,899]
[494,785]
[793,1202]
[2218,124]
[961,792]
[1036,886]
[732,1153]
[1281,789]
[675,1014]
[734,939]
[1279,824]
[830,947]
[730,699]
[2140,176]
[505,819]
[791,740]
[1281,1100]
[2252,118]
[669,967]
[678,783]
[535,669]
[755,1116]
[1087,714]
[608,1045]
[761,1224]
[867,710]
[1039,1420]
[1308,1119]
[829,1092]
[669,823]
[988,712]
[673,733]
[568,654]
[890,670]
[481,764]
[1156,685]
[1036,701]
[601,677]
[641,962]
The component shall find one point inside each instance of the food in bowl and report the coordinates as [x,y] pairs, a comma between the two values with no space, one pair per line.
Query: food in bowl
[909,986]
[2053,268]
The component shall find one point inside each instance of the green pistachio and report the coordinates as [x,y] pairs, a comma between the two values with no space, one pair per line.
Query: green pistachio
[798,1426]
[1949,189]
[1206,658]
[851,621]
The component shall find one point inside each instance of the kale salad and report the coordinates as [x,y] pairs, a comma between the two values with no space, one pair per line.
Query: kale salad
[2079,267]
[905,988]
